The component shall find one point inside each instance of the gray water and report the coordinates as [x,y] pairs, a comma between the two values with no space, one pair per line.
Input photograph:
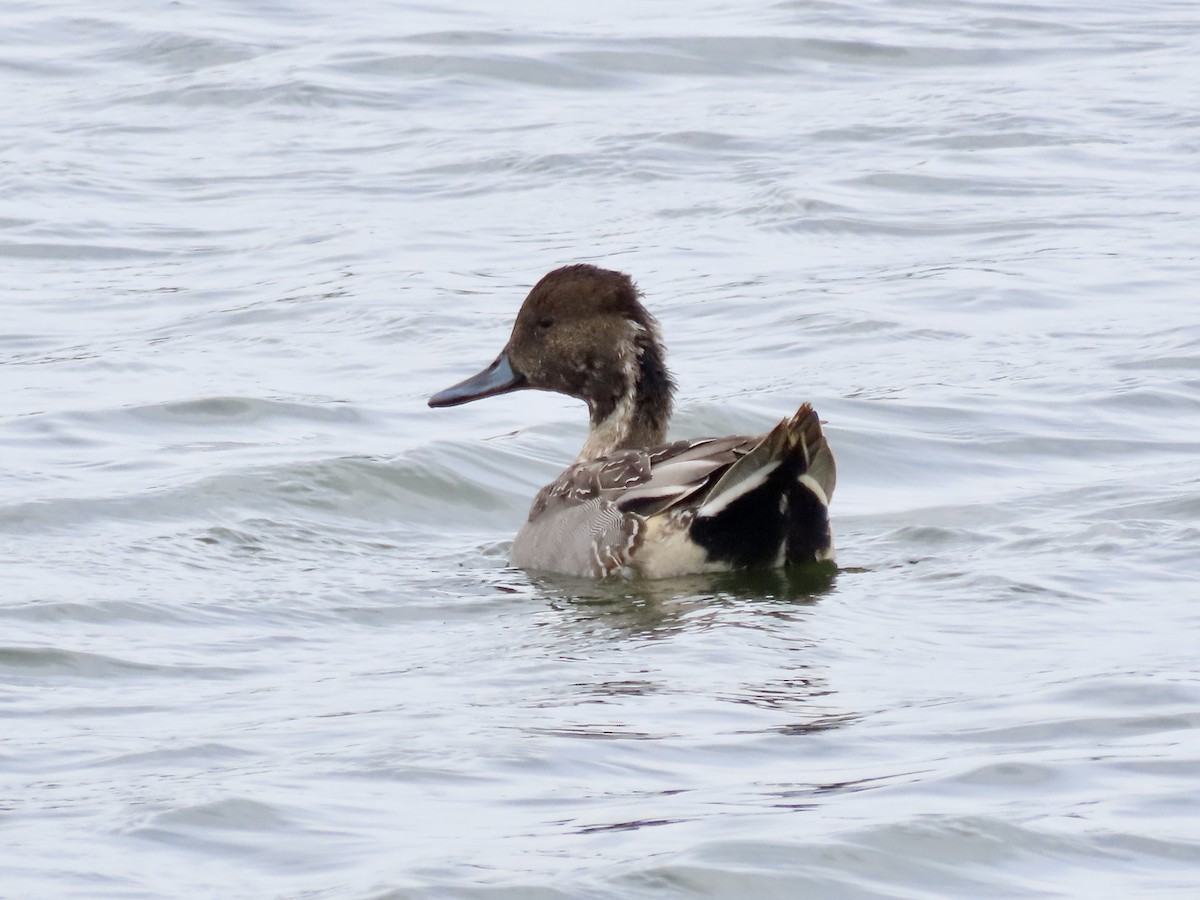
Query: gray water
[258,636]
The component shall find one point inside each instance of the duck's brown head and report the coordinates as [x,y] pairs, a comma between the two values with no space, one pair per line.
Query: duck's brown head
[582,331]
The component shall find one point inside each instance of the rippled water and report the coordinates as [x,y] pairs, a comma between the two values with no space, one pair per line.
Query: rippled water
[257,633]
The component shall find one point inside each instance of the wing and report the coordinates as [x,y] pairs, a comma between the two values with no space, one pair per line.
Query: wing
[588,520]
[645,482]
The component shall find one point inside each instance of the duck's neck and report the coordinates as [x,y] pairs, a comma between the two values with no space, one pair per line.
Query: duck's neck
[637,412]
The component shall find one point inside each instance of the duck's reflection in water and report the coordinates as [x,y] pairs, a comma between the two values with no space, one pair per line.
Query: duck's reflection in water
[663,658]
[658,608]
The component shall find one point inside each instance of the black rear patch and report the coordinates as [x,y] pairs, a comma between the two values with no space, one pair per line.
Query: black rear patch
[808,526]
[748,533]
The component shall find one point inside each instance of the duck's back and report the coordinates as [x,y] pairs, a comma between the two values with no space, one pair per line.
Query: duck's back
[710,504]
[590,519]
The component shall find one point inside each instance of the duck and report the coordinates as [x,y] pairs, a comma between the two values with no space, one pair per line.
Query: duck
[634,504]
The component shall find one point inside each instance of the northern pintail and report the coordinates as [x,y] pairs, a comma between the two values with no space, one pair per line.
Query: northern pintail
[632,504]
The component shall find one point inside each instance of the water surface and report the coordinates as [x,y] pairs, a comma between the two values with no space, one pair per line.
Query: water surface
[258,636]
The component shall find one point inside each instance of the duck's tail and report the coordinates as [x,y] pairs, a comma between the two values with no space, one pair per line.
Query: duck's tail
[772,505]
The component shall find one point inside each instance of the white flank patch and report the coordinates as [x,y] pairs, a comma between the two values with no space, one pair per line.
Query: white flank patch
[668,550]
[716,505]
[811,483]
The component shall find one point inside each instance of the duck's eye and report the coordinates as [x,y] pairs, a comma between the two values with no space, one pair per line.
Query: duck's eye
[545,322]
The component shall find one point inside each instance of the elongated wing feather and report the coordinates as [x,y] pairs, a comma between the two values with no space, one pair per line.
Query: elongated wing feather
[645,482]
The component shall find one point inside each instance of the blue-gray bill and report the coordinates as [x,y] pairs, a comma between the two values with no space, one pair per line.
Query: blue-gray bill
[498,378]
